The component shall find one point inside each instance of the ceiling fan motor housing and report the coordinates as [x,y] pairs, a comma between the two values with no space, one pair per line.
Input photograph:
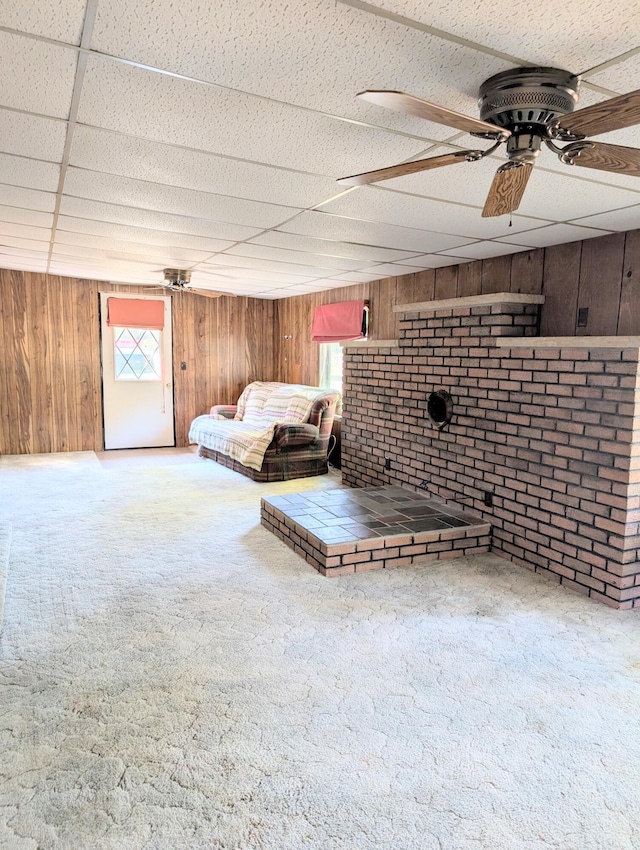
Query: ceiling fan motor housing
[527,102]
[177,278]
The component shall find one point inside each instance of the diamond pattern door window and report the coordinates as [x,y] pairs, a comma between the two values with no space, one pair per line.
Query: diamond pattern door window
[137,355]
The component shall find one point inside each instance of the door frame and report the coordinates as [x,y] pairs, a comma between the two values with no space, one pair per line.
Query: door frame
[106,293]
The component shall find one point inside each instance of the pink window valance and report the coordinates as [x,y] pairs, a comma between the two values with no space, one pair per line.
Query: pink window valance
[337,322]
[135,313]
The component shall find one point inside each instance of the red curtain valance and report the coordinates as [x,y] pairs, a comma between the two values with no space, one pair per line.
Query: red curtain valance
[337,322]
[135,313]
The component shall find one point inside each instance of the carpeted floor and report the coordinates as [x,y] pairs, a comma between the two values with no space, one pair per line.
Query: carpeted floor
[5,543]
[172,676]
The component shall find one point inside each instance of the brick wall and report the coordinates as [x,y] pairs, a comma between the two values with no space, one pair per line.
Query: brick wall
[550,432]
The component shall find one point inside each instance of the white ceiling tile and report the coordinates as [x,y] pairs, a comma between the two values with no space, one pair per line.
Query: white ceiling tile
[623,76]
[482,250]
[152,196]
[27,253]
[24,231]
[254,274]
[30,244]
[159,256]
[626,219]
[29,173]
[560,197]
[58,19]
[371,232]
[417,260]
[131,267]
[36,77]
[33,218]
[331,248]
[96,212]
[102,150]
[23,264]
[31,135]
[554,234]
[393,269]
[356,277]
[228,260]
[316,54]
[144,240]
[282,255]
[174,172]
[382,205]
[233,123]
[438,261]
[29,199]
[538,33]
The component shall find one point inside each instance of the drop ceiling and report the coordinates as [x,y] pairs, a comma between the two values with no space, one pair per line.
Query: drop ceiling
[209,136]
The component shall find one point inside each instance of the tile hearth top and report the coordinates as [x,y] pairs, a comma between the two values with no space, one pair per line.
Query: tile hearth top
[344,515]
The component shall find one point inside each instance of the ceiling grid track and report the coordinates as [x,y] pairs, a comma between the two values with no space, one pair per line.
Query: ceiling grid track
[87,32]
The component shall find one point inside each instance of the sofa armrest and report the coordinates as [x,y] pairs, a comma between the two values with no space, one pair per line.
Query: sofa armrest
[223,411]
[295,435]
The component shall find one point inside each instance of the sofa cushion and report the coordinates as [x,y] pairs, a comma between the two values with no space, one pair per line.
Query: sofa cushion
[253,399]
[295,435]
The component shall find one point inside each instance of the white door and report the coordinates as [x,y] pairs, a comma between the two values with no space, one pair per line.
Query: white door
[137,382]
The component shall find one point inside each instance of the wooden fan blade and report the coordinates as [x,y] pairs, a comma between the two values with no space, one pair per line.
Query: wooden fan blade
[614,114]
[507,189]
[411,105]
[405,168]
[208,293]
[603,157]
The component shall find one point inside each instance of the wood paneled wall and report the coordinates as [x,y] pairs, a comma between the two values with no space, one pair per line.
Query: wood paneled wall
[601,275]
[50,386]
[50,392]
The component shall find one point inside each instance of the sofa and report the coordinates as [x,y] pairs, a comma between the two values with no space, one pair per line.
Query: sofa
[275,432]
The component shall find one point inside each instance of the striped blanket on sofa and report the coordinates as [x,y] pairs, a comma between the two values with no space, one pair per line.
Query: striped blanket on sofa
[262,406]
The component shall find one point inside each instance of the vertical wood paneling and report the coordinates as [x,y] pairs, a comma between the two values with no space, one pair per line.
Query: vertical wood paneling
[560,289]
[526,271]
[88,335]
[61,400]
[424,286]
[446,282]
[23,356]
[36,322]
[470,279]
[50,382]
[496,274]
[405,289]
[629,317]
[51,393]
[600,283]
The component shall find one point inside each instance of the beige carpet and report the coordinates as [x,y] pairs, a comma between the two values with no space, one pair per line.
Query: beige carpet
[5,543]
[172,676]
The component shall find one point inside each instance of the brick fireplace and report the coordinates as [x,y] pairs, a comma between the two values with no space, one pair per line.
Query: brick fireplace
[543,429]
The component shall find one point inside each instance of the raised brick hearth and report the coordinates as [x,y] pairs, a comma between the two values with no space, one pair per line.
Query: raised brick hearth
[346,531]
[551,427]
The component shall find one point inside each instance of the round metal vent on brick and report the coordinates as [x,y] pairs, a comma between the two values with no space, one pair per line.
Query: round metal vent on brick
[440,408]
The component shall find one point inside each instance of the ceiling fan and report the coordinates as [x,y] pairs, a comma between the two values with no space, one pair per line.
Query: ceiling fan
[522,108]
[177,280]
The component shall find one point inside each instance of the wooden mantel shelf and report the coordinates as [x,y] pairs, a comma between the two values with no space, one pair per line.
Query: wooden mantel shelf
[620,342]
[487,300]
[370,343]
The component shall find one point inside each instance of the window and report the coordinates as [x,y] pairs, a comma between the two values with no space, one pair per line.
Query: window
[331,365]
[137,355]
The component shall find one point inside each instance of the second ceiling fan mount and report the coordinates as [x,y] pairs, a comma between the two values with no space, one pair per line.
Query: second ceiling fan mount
[522,108]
